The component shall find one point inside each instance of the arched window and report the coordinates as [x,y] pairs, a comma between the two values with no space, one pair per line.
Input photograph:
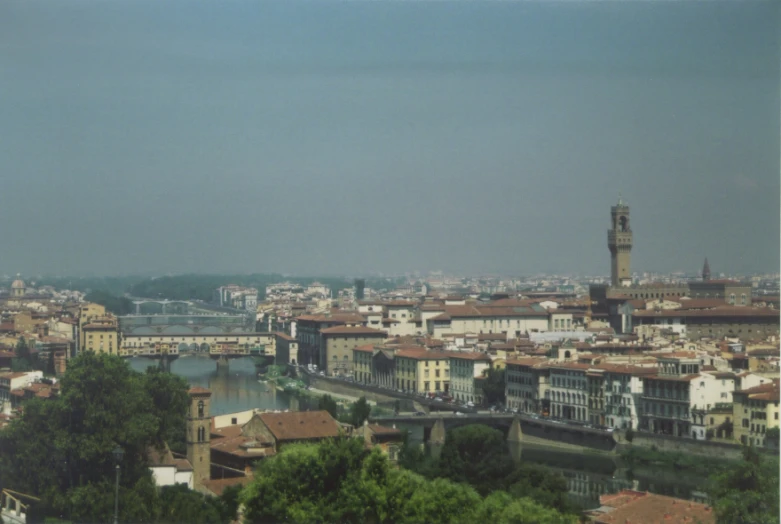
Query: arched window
[201,434]
[200,409]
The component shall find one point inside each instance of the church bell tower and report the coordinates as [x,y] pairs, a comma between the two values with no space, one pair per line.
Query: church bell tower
[199,435]
[619,241]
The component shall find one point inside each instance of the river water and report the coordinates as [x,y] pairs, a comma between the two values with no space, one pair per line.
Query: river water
[588,474]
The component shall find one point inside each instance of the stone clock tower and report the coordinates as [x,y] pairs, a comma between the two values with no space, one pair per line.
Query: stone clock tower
[199,435]
[619,241]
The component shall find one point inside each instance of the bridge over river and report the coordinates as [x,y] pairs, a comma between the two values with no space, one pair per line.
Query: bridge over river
[515,426]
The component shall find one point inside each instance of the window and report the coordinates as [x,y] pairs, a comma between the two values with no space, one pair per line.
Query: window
[200,409]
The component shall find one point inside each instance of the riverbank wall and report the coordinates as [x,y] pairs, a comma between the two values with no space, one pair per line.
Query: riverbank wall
[340,387]
[670,444]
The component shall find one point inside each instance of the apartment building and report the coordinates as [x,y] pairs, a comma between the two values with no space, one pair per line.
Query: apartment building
[101,335]
[512,321]
[527,385]
[466,368]
[308,329]
[422,370]
[337,344]
[677,399]
[754,411]
[569,391]
[623,391]
[402,318]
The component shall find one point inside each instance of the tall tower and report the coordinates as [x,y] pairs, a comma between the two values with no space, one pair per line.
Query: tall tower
[199,435]
[706,271]
[619,241]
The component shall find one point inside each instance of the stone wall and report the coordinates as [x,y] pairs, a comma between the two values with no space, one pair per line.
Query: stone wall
[345,388]
[702,448]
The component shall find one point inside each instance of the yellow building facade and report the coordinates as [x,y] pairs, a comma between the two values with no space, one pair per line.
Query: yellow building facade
[101,335]
[755,410]
[421,370]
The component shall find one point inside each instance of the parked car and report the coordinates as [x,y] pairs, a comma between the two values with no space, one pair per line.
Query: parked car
[420,413]
[470,404]
[459,414]
[438,399]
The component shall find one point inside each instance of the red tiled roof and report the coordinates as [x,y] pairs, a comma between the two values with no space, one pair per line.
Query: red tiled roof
[301,425]
[525,361]
[469,355]
[636,507]
[726,311]
[423,354]
[352,330]
[767,391]
[383,430]
[199,391]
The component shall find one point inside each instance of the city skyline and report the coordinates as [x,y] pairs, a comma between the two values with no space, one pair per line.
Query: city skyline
[330,138]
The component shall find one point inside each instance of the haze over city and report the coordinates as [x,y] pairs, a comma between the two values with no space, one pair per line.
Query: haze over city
[353,137]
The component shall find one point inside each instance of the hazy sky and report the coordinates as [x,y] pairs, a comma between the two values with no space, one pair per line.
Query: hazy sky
[350,137]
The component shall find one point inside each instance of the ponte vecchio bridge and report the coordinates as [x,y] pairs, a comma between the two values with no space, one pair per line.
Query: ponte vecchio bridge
[220,347]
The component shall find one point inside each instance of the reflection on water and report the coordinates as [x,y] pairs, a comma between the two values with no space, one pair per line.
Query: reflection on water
[234,389]
[588,475]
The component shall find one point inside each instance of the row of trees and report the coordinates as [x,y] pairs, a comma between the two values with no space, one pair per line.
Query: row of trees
[115,304]
[342,481]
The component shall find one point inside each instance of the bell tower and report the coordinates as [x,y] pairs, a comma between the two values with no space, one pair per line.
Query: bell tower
[199,435]
[619,241]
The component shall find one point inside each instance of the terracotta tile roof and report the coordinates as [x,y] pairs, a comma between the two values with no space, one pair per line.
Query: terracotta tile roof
[492,336]
[525,361]
[352,330]
[367,348]
[390,321]
[284,336]
[636,507]
[199,391]
[383,430]
[673,378]
[725,311]
[701,303]
[469,355]
[336,318]
[301,425]
[217,486]
[627,369]
[14,374]
[423,354]
[769,392]
[399,303]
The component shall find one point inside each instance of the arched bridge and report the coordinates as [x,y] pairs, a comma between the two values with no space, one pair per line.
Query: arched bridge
[163,302]
[434,427]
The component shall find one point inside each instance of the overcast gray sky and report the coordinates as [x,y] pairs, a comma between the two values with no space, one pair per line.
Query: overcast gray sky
[351,137]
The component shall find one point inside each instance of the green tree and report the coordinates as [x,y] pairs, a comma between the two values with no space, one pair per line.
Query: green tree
[442,501]
[493,386]
[500,506]
[170,402]
[180,504]
[359,412]
[112,303]
[772,437]
[476,454]
[328,404]
[102,404]
[748,492]
[24,359]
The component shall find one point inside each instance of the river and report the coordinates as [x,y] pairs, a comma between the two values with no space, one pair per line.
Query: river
[588,474]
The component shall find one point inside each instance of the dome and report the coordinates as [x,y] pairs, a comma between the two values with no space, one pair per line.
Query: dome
[17,284]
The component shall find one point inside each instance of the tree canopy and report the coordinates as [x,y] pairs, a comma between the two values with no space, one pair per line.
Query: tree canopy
[341,481]
[60,449]
[493,386]
[748,492]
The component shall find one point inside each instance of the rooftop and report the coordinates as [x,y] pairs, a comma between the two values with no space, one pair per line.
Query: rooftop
[635,507]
